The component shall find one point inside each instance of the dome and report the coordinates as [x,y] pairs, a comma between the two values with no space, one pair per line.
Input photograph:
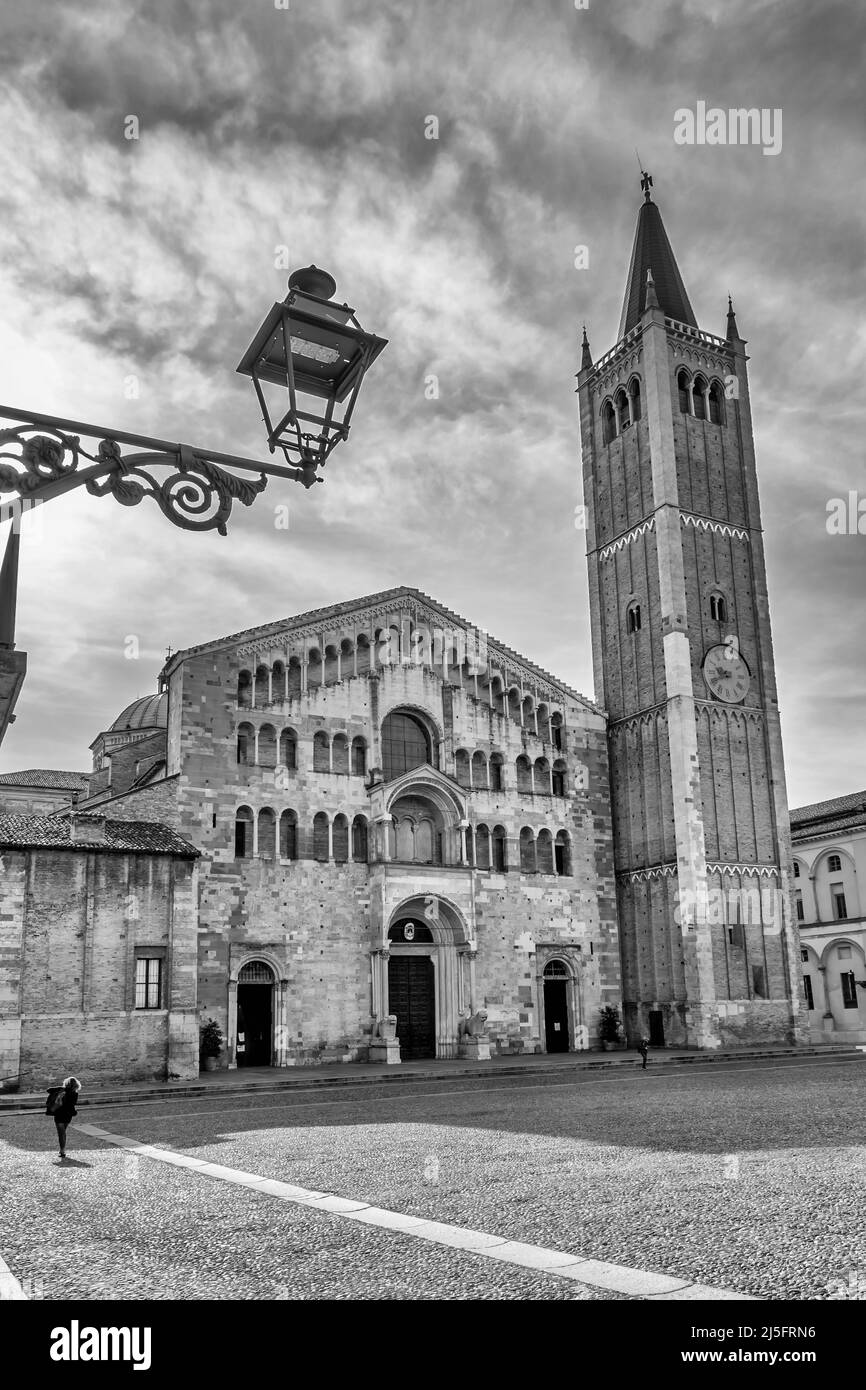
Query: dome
[150,711]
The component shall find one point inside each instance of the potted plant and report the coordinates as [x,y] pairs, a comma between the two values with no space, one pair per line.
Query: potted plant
[210,1045]
[610,1027]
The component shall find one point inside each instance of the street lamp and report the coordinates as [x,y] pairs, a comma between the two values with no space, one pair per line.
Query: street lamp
[309,346]
[43,457]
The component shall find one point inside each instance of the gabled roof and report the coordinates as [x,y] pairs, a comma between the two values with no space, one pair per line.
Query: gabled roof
[120,837]
[822,817]
[46,779]
[336,612]
[652,251]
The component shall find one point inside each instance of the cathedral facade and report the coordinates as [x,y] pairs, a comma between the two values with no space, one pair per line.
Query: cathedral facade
[404,835]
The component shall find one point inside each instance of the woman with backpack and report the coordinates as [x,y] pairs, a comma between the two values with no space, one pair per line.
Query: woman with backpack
[61,1106]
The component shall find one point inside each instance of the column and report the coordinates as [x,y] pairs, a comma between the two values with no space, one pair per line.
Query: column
[281,1051]
[232,1026]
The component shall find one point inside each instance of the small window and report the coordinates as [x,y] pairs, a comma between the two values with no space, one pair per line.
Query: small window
[558,778]
[321,849]
[633,617]
[527,851]
[148,982]
[807,986]
[840,907]
[844,952]
[359,840]
[243,833]
[834,864]
[321,753]
[634,398]
[496,773]
[288,835]
[562,854]
[621,405]
[759,982]
[340,836]
[804,956]
[796,869]
[289,750]
[359,757]
[718,608]
[798,903]
[849,989]
[500,856]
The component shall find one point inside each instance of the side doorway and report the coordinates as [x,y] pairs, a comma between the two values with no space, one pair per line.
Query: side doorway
[556,981]
[255,1015]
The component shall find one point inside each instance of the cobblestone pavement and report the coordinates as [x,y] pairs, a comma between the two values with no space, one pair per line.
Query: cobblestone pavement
[750,1177]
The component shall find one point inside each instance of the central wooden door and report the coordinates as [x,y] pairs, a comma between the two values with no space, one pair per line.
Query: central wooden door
[412,997]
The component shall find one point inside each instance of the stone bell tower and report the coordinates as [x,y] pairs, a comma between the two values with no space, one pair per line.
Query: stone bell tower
[683,660]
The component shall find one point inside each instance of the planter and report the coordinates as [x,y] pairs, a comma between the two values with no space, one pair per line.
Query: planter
[210,1063]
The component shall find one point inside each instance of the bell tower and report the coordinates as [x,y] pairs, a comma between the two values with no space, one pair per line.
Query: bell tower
[683,660]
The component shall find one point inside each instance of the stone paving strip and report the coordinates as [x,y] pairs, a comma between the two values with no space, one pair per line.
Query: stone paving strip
[10,1289]
[599,1274]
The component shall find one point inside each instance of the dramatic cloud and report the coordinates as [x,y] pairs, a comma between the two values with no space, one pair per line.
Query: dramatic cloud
[260,128]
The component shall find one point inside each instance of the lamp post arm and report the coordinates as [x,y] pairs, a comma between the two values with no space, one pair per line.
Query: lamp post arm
[41,458]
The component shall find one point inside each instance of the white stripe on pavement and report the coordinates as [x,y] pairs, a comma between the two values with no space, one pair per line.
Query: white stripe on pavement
[599,1274]
[10,1289]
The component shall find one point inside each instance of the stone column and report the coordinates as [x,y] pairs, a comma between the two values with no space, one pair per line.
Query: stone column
[232,1026]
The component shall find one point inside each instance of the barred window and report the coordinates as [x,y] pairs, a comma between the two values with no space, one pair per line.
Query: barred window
[148,982]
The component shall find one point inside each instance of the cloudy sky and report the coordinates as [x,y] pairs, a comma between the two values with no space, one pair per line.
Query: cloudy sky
[262,128]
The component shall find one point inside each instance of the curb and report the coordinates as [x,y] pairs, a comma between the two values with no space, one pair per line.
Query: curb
[307,1079]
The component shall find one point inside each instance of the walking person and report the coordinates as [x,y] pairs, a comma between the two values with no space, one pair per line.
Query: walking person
[643,1049]
[61,1106]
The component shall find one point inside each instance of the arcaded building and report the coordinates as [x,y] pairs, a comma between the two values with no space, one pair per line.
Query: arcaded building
[404,829]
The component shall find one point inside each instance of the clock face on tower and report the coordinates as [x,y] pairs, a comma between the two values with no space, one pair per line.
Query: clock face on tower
[726,674]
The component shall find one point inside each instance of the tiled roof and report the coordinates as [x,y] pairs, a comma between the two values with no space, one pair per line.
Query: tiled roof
[652,251]
[828,810]
[46,779]
[120,836]
[336,611]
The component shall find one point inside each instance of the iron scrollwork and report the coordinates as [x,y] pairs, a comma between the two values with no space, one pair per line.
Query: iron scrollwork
[197,495]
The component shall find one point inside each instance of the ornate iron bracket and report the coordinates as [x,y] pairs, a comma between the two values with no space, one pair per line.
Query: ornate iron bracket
[42,457]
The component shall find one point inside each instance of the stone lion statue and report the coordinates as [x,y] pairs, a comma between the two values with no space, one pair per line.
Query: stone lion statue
[473,1025]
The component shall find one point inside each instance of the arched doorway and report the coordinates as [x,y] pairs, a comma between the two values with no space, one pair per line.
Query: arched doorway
[412,989]
[255,1026]
[556,980]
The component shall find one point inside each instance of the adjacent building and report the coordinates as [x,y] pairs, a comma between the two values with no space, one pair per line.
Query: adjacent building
[829,845]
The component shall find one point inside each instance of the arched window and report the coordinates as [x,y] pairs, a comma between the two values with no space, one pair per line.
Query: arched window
[278,681]
[527,851]
[620,405]
[267,746]
[359,840]
[541,777]
[245,690]
[497,695]
[500,849]
[608,422]
[562,853]
[314,667]
[461,759]
[267,833]
[524,774]
[289,749]
[796,869]
[716,401]
[340,839]
[544,852]
[527,713]
[405,744]
[683,391]
[347,658]
[359,757]
[321,753]
[246,744]
[363,653]
[515,710]
[558,778]
[632,617]
[288,835]
[330,673]
[634,400]
[543,718]
[243,833]
[482,847]
[320,837]
[699,398]
[479,771]
[294,677]
[262,686]
[340,754]
[556,730]
[718,608]
[496,772]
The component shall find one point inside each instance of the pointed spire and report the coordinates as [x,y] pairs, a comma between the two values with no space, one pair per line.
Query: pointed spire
[732,333]
[9,588]
[651,298]
[585,354]
[652,248]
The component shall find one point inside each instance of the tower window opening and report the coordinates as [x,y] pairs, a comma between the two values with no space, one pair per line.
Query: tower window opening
[718,608]
[634,399]
[633,622]
[608,420]
[699,398]
[716,407]
[683,392]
